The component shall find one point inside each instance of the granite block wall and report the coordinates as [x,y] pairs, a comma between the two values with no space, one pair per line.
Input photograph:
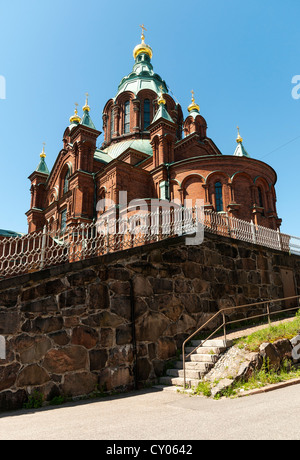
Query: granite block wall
[112,323]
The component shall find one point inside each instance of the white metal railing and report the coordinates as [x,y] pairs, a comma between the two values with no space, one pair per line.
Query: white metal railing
[36,251]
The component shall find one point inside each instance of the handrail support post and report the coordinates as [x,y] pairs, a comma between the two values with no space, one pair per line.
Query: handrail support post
[224,325]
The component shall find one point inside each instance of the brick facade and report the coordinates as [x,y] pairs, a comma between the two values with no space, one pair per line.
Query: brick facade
[170,158]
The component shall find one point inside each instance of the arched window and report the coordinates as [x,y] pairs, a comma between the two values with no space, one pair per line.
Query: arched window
[127,117]
[260,198]
[219,196]
[146,113]
[66,182]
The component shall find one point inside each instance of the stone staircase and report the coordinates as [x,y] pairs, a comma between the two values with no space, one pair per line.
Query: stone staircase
[198,364]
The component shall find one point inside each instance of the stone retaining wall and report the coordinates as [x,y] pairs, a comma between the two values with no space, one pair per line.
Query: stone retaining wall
[112,323]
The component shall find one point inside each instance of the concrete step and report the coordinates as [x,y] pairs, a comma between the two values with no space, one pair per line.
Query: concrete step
[178,381]
[190,374]
[194,365]
[197,365]
[219,343]
[198,357]
[205,350]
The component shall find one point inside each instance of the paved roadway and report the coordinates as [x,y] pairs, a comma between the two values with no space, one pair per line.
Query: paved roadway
[162,415]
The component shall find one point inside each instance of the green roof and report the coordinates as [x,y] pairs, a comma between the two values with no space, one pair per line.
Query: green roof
[9,234]
[240,151]
[42,167]
[102,156]
[141,145]
[87,121]
[142,77]
[162,113]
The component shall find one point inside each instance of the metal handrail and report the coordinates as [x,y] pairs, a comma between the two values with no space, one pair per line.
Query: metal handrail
[223,325]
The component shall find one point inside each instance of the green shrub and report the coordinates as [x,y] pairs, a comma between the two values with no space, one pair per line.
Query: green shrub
[34,401]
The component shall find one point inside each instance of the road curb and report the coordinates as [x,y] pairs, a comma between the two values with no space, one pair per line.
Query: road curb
[268,388]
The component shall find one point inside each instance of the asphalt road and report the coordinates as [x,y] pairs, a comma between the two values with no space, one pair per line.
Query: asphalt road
[162,415]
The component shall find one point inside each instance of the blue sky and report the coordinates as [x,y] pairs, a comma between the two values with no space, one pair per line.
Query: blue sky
[239,57]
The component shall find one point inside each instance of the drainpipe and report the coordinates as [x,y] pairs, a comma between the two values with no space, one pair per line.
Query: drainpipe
[95,198]
[168,180]
[134,349]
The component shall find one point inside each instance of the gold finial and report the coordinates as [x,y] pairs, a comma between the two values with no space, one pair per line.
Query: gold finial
[75,118]
[239,139]
[143,30]
[142,47]
[86,108]
[43,155]
[193,106]
[161,99]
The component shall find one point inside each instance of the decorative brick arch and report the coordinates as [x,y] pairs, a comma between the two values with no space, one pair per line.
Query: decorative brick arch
[155,149]
[120,111]
[65,170]
[243,194]
[107,116]
[195,125]
[143,95]
[54,194]
[211,180]
[192,187]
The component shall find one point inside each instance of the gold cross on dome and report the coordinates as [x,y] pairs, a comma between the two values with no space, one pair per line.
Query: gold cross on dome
[193,95]
[43,155]
[143,30]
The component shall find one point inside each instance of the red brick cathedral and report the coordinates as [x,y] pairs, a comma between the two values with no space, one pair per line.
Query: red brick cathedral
[150,150]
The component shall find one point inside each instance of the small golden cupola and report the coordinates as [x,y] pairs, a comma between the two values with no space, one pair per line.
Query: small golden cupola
[239,139]
[75,119]
[142,47]
[193,107]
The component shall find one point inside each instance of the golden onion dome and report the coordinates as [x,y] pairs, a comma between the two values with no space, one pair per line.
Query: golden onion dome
[75,118]
[193,106]
[142,47]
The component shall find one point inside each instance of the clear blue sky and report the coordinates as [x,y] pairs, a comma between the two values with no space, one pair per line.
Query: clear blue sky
[238,56]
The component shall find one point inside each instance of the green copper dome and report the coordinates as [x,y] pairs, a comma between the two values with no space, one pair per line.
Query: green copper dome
[141,145]
[9,234]
[142,77]
[42,167]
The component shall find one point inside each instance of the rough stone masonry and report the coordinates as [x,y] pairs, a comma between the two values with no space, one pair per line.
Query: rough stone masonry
[112,323]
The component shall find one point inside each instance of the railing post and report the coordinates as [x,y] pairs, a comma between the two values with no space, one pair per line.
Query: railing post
[253,232]
[268,311]
[224,325]
[183,362]
[107,236]
[279,239]
[228,225]
[43,247]
[82,243]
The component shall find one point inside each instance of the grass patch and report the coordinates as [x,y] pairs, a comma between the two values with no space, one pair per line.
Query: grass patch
[271,333]
[259,379]
[203,388]
[264,377]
